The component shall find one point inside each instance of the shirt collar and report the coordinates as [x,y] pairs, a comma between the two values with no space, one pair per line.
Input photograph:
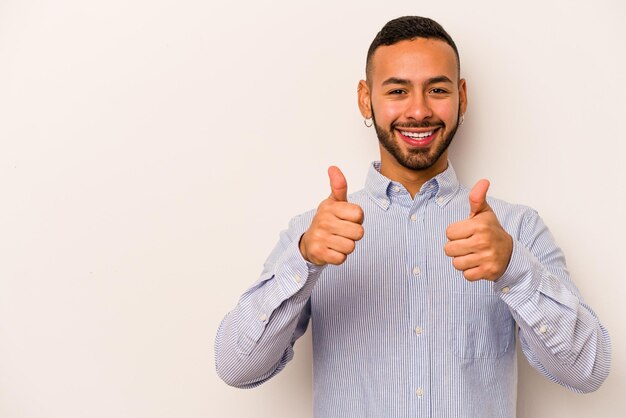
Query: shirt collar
[442,187]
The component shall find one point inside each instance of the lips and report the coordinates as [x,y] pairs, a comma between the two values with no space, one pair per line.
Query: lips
[420,139]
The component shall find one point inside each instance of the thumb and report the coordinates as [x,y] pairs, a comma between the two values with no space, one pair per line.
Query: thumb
[338,184]
[478,198]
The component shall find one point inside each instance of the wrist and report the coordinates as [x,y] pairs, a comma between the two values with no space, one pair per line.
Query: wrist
[302,247]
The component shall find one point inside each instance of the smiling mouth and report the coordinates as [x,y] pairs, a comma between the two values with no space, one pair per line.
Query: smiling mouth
[418,139]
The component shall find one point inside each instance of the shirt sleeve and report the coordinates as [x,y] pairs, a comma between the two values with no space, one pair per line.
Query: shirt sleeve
[560,335]
[255,340]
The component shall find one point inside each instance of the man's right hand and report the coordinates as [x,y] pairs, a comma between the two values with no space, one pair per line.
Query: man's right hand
[335,227]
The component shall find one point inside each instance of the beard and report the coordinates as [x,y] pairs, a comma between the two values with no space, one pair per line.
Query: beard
[416,158]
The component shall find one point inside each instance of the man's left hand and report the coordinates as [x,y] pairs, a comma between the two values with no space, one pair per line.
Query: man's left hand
[480,247]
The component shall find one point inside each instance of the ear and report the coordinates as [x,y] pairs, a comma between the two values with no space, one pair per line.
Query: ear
[363,92]
[462,96]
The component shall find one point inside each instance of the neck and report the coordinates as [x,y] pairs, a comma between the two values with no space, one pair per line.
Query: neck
[412,180]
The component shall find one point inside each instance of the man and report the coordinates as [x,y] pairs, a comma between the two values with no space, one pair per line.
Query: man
[415,285]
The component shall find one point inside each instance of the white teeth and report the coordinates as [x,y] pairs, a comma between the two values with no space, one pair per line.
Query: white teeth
[417,134]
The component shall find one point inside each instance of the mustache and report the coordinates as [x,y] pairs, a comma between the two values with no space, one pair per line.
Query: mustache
[424,124]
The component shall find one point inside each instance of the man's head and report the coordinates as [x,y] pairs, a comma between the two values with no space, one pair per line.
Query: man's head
[413,93]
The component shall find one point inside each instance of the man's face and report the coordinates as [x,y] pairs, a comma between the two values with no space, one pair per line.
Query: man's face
[414,96]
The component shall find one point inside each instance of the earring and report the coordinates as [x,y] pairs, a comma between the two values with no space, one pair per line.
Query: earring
[461,120]
[365,123]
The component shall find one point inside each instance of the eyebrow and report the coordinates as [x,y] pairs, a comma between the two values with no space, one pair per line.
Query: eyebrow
[438,79]
[395,80]
[404,82]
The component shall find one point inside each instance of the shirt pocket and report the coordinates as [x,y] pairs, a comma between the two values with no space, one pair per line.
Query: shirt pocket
[482,326]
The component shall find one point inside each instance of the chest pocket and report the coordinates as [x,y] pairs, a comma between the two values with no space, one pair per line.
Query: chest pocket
[482,326]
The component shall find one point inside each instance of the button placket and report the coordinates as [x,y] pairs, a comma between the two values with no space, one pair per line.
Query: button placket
[417,283]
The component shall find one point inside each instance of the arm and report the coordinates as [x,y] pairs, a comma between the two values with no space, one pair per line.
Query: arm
[255,340]
[560,335]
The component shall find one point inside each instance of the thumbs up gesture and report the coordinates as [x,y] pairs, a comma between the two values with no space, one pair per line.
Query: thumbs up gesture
[479,246]
[336,225]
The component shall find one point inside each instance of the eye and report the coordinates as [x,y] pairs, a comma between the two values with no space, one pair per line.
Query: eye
[439,90]
[397,91]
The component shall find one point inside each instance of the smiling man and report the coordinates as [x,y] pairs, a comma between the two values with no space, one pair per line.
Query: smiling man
[416,285]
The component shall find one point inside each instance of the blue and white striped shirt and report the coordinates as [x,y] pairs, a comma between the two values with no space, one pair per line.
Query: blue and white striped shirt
[397,330]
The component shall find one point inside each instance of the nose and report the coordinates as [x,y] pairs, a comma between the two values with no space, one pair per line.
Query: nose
[418,108]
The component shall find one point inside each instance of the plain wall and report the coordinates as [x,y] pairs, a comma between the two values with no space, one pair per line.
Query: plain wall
[151,151]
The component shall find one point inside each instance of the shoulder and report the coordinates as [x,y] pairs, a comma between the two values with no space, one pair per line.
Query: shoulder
[303,220]
[514,217]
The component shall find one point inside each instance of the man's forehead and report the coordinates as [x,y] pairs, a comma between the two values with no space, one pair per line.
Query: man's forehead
[414,58]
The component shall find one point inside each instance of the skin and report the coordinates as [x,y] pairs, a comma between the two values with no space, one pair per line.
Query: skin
[412,86]
[479,246]
[336,225]
[411,83]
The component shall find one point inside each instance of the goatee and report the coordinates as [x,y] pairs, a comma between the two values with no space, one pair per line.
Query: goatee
[416,158]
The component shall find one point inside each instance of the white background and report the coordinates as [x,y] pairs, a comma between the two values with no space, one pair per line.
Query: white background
[151,151]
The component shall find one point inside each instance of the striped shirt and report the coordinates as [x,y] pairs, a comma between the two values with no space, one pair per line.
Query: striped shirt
[397,331]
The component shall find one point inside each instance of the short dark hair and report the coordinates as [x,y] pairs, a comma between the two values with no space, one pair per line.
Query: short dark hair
[409,28]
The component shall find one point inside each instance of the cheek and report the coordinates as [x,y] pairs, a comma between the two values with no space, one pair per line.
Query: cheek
[447,111]
[387,112]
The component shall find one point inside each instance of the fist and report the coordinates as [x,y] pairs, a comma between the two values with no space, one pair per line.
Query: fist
[479,246]
[336,225]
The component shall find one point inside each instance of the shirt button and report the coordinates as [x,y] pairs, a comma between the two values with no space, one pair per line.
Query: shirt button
[440,199]
[396,188]
[263,317]
[419,392]
[543,329]
[505,289]
[414,217]
[416,271]
[297,278]
[418,330]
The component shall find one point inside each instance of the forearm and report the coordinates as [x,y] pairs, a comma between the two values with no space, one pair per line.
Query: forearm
[243,362]
[255,340]
[560,335]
